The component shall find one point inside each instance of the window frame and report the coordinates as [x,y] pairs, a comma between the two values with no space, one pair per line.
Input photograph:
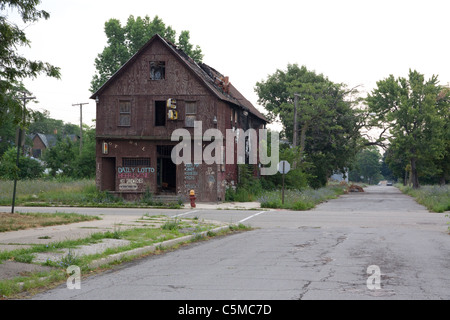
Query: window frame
[123,113]
[190,115]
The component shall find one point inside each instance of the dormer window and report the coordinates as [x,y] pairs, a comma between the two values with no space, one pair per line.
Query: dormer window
[157,70]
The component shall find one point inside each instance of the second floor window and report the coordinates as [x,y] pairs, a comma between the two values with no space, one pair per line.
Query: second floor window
[124,113]
[191,112]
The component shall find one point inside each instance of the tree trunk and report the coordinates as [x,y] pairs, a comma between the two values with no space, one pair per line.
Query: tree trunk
[414,177]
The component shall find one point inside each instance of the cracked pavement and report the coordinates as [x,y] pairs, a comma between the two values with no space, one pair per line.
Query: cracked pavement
[312,255]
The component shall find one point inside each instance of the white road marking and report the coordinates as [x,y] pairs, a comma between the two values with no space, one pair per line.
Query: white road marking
[252,216]
[184,214]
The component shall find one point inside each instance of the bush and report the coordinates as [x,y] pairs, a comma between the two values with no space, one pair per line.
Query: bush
[299,200]
[28,168]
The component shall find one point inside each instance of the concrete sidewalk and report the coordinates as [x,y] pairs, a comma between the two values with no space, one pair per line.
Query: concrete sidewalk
[225,205]
[23,239]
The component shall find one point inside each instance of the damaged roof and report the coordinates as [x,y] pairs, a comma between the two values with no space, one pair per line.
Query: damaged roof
[211,78]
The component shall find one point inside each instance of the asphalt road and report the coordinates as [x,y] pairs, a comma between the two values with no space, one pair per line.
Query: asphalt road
[375,245]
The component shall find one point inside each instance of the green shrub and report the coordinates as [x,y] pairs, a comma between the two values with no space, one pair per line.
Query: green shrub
[299,199]
[28,168]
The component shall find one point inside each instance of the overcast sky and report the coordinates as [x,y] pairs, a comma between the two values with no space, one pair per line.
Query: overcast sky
[352,42]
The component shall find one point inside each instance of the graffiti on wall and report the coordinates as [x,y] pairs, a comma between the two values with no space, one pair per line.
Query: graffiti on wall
[191,176]
[132,178]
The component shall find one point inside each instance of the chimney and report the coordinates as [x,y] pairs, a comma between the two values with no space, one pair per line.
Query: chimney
[226,84]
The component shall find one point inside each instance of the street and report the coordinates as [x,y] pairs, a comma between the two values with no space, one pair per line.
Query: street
[379,244]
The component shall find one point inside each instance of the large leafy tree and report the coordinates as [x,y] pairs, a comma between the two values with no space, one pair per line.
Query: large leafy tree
[416,113]
[367,166]
[328,123]
[124,41]
[65,158]
[13,66]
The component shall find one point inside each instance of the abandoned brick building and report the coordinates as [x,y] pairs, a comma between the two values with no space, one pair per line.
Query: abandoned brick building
[134,126]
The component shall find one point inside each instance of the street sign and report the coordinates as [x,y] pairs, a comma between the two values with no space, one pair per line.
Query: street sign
[284,167]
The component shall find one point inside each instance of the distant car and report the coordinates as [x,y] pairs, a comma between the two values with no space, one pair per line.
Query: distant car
[389,183]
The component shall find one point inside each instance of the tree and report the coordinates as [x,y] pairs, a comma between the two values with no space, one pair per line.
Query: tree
[328,125]
[60,157]
[386,172]
[14,67]
[416,113]
[65,159]
[86,161]
[28,168]
[367,165]
[124,42]
[43,123]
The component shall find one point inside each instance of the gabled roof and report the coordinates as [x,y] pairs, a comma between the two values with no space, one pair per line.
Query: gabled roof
[47,139]
[50,140]
[207,75]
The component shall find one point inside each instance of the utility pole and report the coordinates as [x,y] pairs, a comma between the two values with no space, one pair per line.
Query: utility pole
[294,140]
[295,120]
[24,99]
[81,123]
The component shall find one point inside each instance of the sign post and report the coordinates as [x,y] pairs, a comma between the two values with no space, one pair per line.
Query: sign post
[283,168]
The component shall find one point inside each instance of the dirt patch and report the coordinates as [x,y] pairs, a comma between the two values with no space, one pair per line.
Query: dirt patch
[12,269]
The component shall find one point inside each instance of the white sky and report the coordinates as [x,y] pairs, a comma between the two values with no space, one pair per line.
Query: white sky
[354,42]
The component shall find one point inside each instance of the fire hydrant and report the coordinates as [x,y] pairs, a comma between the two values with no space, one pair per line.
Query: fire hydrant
[192,197]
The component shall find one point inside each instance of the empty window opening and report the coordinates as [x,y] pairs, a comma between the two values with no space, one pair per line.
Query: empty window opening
[124,113]
[160,113]
[157,70]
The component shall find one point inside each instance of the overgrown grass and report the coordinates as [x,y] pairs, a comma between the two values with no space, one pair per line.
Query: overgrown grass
[67,192]
[21,221]
[300,199]
[435,198]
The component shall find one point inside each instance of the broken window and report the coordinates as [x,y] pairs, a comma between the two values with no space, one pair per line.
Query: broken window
[157,70]
[191,112]
[124,113]
[160,113]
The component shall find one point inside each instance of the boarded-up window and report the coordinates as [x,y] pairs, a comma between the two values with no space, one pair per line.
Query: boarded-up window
[157,70]
[124,113]
[191,113]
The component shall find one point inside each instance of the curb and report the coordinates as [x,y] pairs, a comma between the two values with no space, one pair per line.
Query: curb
[140,251]
[144,250]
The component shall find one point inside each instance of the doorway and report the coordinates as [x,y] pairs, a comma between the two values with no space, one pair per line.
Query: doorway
[108,174]
[166,171]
